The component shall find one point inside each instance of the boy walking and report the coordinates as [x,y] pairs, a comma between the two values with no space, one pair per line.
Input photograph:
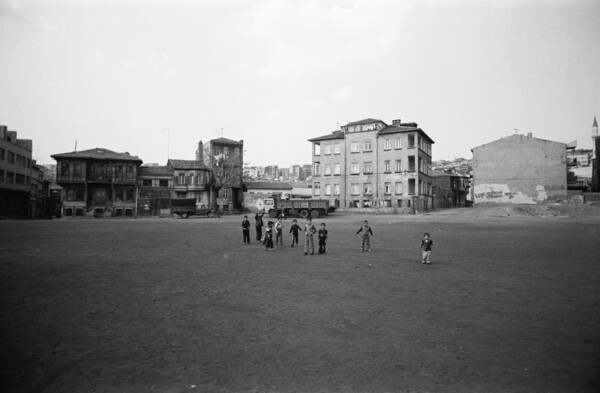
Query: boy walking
[295,228]
[426,245]
[246,230]
[322,238]
[366,233]
[279,233]
[309,231]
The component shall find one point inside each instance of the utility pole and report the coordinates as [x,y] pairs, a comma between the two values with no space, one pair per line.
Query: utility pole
[168,129]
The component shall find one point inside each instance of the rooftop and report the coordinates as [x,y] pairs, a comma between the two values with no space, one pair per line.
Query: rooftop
[99,154]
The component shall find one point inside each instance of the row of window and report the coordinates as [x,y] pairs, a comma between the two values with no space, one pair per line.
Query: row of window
[182,179]
[368,146]
[96,171]
[121,195]
[335,169]
[367,188]
[12,158]
[14,178]
[383,203]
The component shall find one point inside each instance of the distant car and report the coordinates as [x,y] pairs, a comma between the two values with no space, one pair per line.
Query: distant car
[185,207]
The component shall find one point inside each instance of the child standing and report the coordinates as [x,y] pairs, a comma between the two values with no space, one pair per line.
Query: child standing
[309,231]
[366,233]
[426,245]
[278,233]
[295,228]
[268,240]
[322,238]
[246,230]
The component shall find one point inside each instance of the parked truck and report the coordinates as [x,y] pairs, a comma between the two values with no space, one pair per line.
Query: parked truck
[185,207]
[296,207]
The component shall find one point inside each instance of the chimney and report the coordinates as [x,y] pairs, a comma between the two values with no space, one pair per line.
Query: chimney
[200,152]
[529,135]
[396,122]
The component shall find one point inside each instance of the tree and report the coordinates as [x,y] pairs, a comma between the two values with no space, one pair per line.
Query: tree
[225,170]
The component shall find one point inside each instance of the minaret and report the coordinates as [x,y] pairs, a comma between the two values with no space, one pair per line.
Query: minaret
[594,137]
[596,149]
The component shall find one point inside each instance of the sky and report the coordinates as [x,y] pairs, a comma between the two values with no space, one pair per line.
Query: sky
[155,77]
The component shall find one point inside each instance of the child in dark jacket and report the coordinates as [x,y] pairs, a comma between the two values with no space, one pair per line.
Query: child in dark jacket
[426,245]
[268,239]
[322,239]
[246,230]
[294,229]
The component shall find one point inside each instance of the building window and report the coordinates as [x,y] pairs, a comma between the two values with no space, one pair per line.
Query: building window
[355,189]
[411,141]
[327,149]
[64,171]
[163,183]
[2,154]
[336,169]
[354,168]
[398,143]
[336,148]
[368,167]
[387,188]
[399,188]
[181,178]
[387,144]
[354,147]
[387,166]
[398,165]
[1,176]
[317,188]
[327,189]
[316,149]
[327,169]
[317,169]
[10,177]
[336,189]
[147,182]
[20,179]
[10,157]
[367,190]
[21,161]
[226,152]
[411,163]
[368,146]
[180,194]
[77,172]
[224,193]
[411,187]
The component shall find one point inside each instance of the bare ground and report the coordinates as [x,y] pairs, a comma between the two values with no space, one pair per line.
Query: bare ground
[510,304]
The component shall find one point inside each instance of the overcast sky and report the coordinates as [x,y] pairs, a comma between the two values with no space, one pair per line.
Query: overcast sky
[118,74]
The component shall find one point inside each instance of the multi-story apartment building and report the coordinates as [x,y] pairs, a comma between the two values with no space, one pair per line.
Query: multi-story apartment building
[15,175]
[370,164]
[97,182]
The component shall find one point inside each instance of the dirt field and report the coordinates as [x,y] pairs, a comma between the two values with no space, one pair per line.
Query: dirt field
[510,304]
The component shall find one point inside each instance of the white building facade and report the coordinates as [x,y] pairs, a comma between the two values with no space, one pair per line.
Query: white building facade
[369,164]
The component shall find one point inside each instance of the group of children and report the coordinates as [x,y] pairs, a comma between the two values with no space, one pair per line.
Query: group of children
[310,230]
[276,229]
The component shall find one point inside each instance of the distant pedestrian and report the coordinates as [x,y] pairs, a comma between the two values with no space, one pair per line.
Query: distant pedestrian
[279,233]
[366,233]
[426,245]
[322,238]
[294,229]
[309,231]
[246,230]
[259,224]
[268,239]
